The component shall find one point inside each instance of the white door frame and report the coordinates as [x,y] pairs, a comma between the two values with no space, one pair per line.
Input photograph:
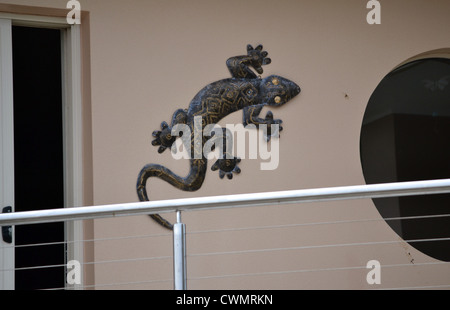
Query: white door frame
[6,149]
[73,135]
[72,132]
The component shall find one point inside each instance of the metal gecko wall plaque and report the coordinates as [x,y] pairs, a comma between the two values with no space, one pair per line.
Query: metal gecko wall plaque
[243,91]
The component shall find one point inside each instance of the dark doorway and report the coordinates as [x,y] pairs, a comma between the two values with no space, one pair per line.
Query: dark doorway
[39,167]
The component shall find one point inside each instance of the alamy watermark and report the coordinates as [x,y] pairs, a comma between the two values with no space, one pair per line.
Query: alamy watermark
[73,272]
[374,15]
[228,142]
[74,16]
[374,275]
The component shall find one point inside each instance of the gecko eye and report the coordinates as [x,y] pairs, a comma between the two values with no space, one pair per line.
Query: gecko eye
[277,99]
[275,81]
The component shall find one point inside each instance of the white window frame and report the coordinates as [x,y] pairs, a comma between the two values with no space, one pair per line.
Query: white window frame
[72,121]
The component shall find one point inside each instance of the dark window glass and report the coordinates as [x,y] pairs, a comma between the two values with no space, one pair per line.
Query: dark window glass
[405,136]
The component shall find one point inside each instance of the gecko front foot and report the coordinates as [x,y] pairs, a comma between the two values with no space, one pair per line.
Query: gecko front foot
[272,131]
[163,137]
[227,167]
[258,57]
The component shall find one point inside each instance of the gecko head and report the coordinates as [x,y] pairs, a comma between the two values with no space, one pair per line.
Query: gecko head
[276,90]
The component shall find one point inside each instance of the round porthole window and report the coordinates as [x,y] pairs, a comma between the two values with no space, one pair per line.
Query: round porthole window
[405,136]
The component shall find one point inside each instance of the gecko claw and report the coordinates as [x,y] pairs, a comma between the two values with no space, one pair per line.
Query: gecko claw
[164,125]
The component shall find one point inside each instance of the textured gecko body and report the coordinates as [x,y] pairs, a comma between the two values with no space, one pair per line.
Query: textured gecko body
[244,91]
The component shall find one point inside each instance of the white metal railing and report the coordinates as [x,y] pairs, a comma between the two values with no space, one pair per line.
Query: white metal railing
[229,201]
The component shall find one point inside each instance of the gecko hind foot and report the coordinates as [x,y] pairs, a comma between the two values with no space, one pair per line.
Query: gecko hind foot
[227,167]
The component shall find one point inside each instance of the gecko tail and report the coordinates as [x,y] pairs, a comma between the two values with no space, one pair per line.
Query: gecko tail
[192,182]
[161,221]
[142,193]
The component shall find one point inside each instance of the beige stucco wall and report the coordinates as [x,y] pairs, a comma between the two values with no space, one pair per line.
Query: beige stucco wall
[149,58]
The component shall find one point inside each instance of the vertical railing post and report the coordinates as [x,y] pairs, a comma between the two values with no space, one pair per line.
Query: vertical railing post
[179,254]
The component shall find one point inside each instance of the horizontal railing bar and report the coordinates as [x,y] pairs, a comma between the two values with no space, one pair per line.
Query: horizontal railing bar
[229,201]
